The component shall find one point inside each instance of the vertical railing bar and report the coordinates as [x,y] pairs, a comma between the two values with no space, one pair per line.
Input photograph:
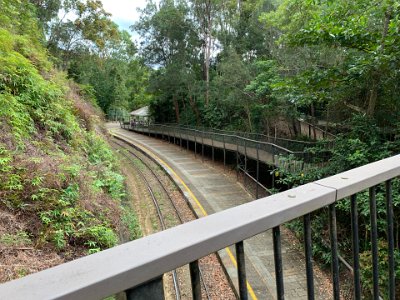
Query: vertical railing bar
[195,145]
[153,288]
[202,146]
[356,247]
[389,212]
[241,266]
[223,140]
[245,164]
[237,159]
[308,253]
[212,145]
[280,291]
[258,170]
[195,279]
[334,251]
[374,242]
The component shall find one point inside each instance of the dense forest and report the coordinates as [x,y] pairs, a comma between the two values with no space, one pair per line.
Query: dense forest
[262,65]
[250,65]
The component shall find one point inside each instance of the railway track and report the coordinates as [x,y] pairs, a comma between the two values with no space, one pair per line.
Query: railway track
[182,216]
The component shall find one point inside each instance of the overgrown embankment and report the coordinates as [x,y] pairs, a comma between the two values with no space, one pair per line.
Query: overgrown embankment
[61,192]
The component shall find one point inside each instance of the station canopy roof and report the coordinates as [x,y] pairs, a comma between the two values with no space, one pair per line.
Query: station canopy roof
[141,112]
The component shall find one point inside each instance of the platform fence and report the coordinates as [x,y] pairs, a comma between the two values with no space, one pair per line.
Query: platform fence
[135,264]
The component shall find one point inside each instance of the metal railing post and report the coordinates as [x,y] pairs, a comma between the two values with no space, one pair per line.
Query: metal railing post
[202,146]
[153,289]
[223,140]
[245,164]
[212,149]
[280,291]
[195,279]
[195,145]
[390,236]
[241,268]
[237,159]
[356,247]
[374,242]
[334,251]
[308,253]
[258,170]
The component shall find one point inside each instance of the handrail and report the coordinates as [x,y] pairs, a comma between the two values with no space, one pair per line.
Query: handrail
[274,148]
[242,133]
[131,264]
[324,132]
[227,135]
[255,181]
[243,138]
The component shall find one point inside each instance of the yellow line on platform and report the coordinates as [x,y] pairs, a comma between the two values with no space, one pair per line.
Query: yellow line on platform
[230,254]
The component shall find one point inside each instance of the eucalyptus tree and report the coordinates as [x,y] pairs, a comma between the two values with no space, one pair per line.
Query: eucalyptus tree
[118,76]
[169,43]
[205,14]
[69,25]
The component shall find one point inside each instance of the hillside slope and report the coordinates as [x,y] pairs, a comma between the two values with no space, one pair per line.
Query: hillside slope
[61,192]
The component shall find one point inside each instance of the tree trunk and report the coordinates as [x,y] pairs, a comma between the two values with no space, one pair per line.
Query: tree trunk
[295,131]
[176,105]
[267,121]
[195,109]
[249,118]
[208,50]
[327,120]
[313,121]
[376,78]
[373,97]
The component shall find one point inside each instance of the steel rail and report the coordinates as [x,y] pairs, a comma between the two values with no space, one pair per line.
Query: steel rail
[160,217]
[206,289]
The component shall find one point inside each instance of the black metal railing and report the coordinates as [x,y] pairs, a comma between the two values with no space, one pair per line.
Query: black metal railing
[242,141]
[138,262]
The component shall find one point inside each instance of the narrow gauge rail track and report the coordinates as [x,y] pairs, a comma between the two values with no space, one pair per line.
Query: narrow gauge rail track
[159,214]
[125,146]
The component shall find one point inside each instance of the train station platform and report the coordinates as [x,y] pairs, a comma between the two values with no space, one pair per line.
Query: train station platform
[209,190]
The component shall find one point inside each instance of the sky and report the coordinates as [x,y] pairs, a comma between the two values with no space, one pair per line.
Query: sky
[124,12]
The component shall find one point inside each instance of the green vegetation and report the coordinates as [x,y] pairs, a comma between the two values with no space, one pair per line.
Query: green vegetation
[59,177]
[261,65]
[21,238]
[255,66]
[363,144]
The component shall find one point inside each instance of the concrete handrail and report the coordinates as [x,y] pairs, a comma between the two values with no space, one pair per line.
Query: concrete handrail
[131,264]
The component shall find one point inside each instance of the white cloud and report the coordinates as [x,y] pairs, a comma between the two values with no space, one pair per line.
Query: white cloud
[124,12]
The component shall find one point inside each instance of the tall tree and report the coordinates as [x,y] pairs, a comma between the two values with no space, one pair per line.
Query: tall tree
[204,13]
[170,43]
[359,38]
